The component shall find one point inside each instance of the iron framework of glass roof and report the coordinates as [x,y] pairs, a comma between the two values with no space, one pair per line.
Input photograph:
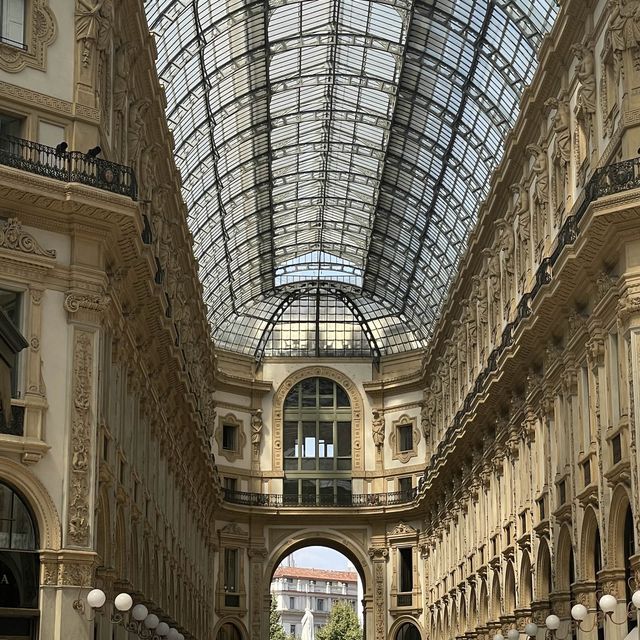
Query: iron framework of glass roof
[334,154]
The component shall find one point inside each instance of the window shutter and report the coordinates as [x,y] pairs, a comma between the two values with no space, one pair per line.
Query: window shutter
[13,21]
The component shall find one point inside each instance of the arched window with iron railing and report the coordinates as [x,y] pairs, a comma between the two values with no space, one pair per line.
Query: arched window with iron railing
[19,567]
[317,443]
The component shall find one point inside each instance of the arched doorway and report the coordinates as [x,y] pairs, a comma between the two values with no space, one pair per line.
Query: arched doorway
[19,566]
[408,631]
[333,539]
[311,586]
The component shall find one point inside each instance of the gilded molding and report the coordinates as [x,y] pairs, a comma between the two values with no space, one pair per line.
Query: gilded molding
[42,30]
[15,238]
[78,527]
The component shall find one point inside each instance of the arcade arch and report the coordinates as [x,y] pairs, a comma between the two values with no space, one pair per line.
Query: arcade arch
[344,542]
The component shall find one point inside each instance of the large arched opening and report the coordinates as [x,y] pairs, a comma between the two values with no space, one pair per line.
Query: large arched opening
[336,541]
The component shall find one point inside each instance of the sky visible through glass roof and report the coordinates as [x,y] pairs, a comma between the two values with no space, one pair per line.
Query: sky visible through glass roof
[334,154]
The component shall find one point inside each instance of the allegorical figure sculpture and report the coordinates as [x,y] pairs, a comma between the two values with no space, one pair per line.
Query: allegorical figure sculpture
[256,427]
[378,428]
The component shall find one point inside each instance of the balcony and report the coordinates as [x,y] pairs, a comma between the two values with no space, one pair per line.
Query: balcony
[354,500]
[67,166]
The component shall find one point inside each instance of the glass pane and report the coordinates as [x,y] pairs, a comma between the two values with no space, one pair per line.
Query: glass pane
[309,491]
[325,440]
[309,439]
[342,397]
[291,464]
[326,387]
[343,491]
[10,304]
[344,464]
[344,438]
[326,491]
[290,487]
[293,398]
[309,388]
[290,439]
[326,401]
[5,502]
[405,437]
[22,536]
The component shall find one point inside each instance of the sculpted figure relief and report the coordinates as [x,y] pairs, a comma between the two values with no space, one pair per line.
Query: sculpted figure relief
[624,25]
[378,428]
[427,414]
[585,70]
[256,427]
[470,319]
[94,20]
[524,234]
[506,245]
[540,170]
[137,129]
[561,127]
[479,299]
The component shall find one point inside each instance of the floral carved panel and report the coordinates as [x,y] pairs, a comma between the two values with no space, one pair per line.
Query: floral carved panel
[78,520]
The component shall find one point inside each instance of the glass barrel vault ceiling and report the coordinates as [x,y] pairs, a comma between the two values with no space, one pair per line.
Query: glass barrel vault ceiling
[334,154]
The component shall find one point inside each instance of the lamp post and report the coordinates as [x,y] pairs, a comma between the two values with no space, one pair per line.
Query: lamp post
[530,631]
[135,619]
[579,613]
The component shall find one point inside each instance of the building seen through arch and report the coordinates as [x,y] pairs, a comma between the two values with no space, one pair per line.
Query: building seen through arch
[353,273]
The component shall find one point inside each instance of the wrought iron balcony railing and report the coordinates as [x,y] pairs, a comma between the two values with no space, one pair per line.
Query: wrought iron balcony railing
[354,500]
[605,181]
[67,166]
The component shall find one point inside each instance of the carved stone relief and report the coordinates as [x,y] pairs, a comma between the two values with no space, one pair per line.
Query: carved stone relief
[78,518]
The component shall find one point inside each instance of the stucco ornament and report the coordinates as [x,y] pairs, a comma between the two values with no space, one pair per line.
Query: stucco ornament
[256,427]
[377,425]
[42,33]
[14,237]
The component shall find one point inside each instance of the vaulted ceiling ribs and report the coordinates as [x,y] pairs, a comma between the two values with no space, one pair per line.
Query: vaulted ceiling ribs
[340,141]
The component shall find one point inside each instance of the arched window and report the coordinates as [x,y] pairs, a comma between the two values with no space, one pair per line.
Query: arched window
[408,631]
[317,443]
[19,566]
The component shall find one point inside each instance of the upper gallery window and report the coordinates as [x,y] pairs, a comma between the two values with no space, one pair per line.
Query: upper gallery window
[230,437]
[12,20]
[404,438]
[317,443]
